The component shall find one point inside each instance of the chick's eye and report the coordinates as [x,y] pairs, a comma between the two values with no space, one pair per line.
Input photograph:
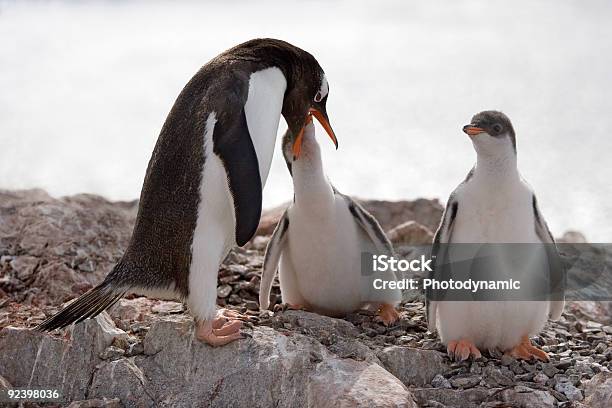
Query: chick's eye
[318,97]
[497,128]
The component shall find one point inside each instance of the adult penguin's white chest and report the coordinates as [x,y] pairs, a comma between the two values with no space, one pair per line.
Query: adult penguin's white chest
[263,110]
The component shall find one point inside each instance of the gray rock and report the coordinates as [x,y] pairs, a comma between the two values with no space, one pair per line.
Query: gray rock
[124,380]
[465,381]
[598,391]
[519,398]
[52,362]
[549,369]
[564,363]
[176,369]
[540,378]
[112,353]
[76,239]
[470,398]
[167,307]
[410,233]
[259,371]
[348,383]
[224,291]
[440,382]
[413,366]
[494,376]
[506,360]
[569,390]
[96,403]
[24,266]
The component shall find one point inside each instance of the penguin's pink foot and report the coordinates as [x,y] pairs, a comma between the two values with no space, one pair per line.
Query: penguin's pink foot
[387,314]
[222,326]
[233,315]
[526,351]
[220,335]
[461,350]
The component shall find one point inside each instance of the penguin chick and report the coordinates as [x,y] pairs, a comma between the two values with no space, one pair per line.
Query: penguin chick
[493,205]
[319,241]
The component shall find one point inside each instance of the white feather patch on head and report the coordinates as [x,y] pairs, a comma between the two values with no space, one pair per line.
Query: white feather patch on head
[324,89]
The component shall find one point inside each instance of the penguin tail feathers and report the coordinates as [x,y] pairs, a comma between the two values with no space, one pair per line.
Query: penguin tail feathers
[88,305]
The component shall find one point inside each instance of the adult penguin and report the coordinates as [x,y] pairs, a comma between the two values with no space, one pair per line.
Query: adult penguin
[202,192]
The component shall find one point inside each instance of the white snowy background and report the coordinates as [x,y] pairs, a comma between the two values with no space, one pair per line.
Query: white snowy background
[85,88]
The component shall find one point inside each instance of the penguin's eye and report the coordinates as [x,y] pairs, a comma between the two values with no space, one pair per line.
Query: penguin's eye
[318,97]
[497,128]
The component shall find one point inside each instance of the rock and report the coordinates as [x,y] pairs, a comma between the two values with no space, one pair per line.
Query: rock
[294,363]
[122,379]
[61,245]
[507,360]
[224,291]
[595,311]
[572,237]
[96,403]
[4,384]
[549,370]
[564,363]
[107,332]
[53,362]
[413,366]
[495,377]
[388,213]
[540,378]
[128,309]
[571,392]
[440,382]
[269,219]
[251,305]
[112,353]
[410,233]
[521,399]
[470,398]
[465,381]
[24,266]
[52,250]
[392,213]
[598,391]
[347,383]
[166,307]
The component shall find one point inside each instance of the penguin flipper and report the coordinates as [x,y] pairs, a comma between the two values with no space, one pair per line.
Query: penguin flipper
[270,265]
[442,236]
[88,305]
[557,274]
[369,224]
[233,144]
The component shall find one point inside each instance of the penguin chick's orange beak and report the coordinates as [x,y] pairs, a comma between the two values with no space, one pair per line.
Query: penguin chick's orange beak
[472,130]
[297,145]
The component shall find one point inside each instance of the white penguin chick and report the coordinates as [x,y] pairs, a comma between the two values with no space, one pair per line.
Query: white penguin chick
[319,242]
[493,205]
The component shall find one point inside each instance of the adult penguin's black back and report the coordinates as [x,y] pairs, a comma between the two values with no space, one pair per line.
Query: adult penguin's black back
[158,258]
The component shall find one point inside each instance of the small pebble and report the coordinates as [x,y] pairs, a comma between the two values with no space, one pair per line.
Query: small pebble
[440,382]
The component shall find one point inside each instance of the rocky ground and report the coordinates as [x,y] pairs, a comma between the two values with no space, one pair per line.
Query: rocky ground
[143,353]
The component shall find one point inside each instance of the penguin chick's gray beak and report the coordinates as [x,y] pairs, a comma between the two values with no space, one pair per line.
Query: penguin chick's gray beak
[472,130]
[323,120]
